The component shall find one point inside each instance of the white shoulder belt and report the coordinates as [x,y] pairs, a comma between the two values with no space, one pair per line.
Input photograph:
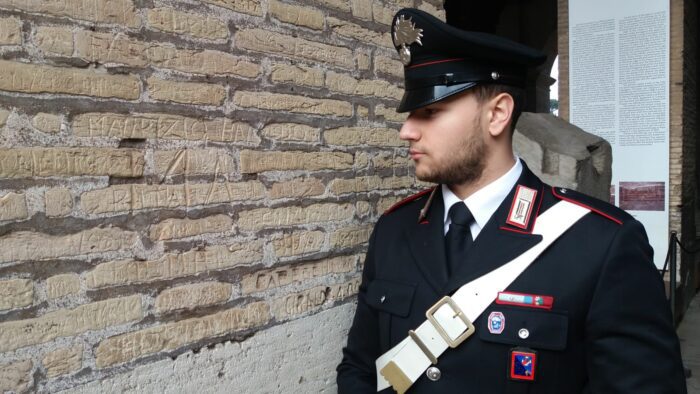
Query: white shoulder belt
[449,320]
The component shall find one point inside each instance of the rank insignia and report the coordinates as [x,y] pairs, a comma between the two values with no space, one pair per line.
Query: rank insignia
[405,34]
[523,363]
[496,322]
[527,300]
[521,208]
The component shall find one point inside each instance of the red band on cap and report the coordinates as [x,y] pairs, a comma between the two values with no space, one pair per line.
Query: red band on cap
[436,62]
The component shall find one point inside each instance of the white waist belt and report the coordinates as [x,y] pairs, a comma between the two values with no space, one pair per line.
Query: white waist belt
[449,320]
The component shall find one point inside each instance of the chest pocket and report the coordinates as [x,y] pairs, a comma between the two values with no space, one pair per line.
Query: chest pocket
[390,296]
[528,328]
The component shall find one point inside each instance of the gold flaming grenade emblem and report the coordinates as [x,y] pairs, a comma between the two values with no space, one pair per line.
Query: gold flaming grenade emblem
[405,34]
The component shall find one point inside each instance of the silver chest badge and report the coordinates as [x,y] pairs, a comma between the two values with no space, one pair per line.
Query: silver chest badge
[405,34]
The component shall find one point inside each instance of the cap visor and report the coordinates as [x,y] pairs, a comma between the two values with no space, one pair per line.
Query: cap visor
[416,98]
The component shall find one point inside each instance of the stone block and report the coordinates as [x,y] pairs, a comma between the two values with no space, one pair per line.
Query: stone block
[346,84]
[387,65]
[63,361]
[193,296]
[391,160]
[16,293]
[62,285]
[372,136]
[193,162]
[363,208]
[48,123]
[362,9]
[250,7]
[58,202]
[292,103]
[352,31]
[183,228]
[207,62]
[257,219]
[432,9]
[16,377]
[108,48]
[4,114]
[186,92]
[296,74]
[299,243]
[54,40]
[256,161]
[389,114]
[283,276]
[48,162]
[383,13]
[187,23]
[340,5]
[300,16]
[291,132]
[10,31]
[120,12]
[297,188]
[349,237]
[13,206]
[362,60]
[311,300]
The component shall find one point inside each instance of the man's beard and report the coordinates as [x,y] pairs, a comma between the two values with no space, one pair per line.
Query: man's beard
[465,166]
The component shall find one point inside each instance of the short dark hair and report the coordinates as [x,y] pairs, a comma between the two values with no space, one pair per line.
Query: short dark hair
[484,92]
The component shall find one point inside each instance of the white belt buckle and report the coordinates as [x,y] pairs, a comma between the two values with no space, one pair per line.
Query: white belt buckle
[430,314]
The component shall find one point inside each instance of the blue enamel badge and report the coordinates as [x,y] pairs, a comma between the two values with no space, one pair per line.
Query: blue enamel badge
[522,364]
[496,322]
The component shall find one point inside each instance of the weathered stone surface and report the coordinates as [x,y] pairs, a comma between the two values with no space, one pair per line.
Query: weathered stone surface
[69,322]
[341,5]
[54,40]
[174,265]
[58,201]
[13,206]
[4,114]
[13,247]
[163,126]
[48,123]
[362,60]
[391,160]
[120,12]
[296,74]
[311,300]
[206,62]
[187,23]
[431,9]
[62,285]
[186,92]
[369,183]
[349,237]
[346,84]
[171,336]
[381,13]
[277,277]
[261,40]
[193,296]
[124,198]
[251,7]
[183,228]
[16,293]
[110,48]
[260,218]
[362,111]
[362,9]
[292,103]
[292,132]
[46,162]
[297,188]
[387,65]
[32,78]
[350,30]
[389,114]
[299,243]
[300,16]
[256,161]
[10,31]
[386,202]
[63,361]
[350,136]
[16,376]
[193,162]
[363,208]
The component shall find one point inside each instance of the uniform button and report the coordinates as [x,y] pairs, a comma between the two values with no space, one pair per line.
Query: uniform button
[563,191]
[433,373]
[523,333]
[381,300]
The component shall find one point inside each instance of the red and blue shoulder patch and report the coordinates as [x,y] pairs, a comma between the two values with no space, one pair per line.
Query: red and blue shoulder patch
[597,206]
[408,199]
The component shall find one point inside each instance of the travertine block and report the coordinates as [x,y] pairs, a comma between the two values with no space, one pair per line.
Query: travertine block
[260,218]
[298,243]
[16,376]
[431,9]
[362,160]
[310,300]
[63,361]
[297,188]
[163,126]
[121,12]
[391,160]
[362,111]
[183,228]
[110,48]
[62,285]
[369,183]
[4,114]
[69,322]
[171,336]
[206,62]
[46,162]
[48,123]
[193,296]
[362,60]
[277,277]
[362,9]
[10,31]
[193,162]
[298,75]
[58,201]
[366,87]
[341,5]
[381,13]
[389,114]
[387,65]
[13,247]
[292,103]
[54,40]
[16,293]
[363,208]
[292,132]
[186,92]
[373,136]
[13,206]
[32,78]
[174,265]
[256,161]
[300,16]
[348,237]
[187,23]
[251,7]
[353,31]
[124,198]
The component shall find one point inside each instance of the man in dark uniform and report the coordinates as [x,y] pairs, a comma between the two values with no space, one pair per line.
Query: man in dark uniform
[586,314]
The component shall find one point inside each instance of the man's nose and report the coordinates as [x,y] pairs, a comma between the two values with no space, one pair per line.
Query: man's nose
[409,131]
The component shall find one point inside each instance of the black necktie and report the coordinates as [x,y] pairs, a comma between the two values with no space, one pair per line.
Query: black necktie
[459,237]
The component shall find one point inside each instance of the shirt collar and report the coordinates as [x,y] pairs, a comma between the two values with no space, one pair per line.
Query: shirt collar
[484,202]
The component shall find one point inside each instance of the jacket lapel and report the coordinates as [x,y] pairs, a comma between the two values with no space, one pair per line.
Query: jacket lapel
[427,244]
[499,242]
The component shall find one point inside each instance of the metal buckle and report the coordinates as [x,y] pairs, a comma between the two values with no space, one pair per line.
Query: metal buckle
[430,314]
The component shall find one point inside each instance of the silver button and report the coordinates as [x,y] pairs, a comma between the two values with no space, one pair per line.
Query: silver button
[563,191]
[381,300]
[433,373]
[495,75]
[523,333]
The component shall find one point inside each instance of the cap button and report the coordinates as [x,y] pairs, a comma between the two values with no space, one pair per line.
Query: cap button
[495,75]
[381,300]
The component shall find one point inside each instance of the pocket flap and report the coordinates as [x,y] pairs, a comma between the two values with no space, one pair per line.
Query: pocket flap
[390,296]
[543,330]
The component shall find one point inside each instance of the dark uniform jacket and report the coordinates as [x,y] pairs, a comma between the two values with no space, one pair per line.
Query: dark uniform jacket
[609,329]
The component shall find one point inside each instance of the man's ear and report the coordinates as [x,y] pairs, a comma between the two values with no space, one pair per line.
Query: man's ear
[501,112]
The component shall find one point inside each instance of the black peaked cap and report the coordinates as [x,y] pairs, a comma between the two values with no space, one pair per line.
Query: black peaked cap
[441,60]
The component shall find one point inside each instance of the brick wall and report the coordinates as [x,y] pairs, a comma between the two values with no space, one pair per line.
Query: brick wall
[177,174]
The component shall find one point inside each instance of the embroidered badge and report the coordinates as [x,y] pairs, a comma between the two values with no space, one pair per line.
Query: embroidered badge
[496,322]
[405,34]
[528,300]
[521,208]
[523,363]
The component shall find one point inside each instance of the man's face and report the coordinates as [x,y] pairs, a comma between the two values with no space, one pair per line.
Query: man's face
[447,140]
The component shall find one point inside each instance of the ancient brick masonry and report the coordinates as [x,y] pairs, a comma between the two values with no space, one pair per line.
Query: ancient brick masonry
[179,175]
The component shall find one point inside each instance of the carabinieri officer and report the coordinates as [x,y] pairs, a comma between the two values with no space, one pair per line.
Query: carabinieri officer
[548,290]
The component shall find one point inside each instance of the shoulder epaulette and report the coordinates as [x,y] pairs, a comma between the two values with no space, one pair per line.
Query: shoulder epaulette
[597,206]
[408,199]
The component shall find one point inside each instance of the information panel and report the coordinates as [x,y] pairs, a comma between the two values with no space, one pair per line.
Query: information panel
[618,89]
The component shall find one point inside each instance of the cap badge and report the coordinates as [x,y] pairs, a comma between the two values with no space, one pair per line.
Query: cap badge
[405,34]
